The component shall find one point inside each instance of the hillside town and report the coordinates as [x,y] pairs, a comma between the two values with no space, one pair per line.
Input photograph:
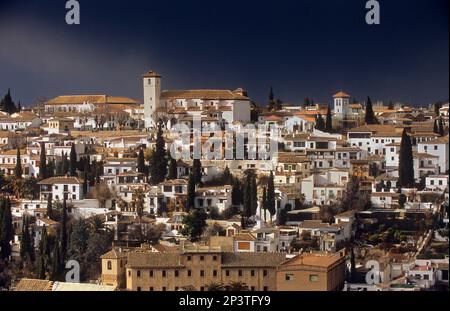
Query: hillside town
[207,190]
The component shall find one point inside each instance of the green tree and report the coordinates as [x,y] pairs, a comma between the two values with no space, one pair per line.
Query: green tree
[197,171]
[329,121]
[138,201]
[370,115]
[264,203]
[402,200]
[158,163]
[306,102]
[26,246]
[227,177]
[436,127]
[51,168]
[141,167]
[63,249]
[320,124]
[236,195]
[215,287]
[271,196]
[254,195]
[73,161]
[237,287]
[173,168]
[391,105]
[7,105]
[405,164]
[441,127]
[49,207]
[40,274]
[194,224]
[271,103]
[43,163]
[18,170]
[191,194]
[57,262]
[65,165]
[6,230]
[78,241]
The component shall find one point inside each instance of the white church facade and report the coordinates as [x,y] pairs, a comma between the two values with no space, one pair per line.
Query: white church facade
[181,105]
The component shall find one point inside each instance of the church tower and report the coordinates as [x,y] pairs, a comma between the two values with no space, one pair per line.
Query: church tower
[341,104]
[152,94]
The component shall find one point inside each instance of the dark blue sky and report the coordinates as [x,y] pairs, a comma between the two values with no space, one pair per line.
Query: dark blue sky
[302,48]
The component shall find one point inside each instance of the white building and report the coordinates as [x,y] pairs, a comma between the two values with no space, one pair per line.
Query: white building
[436,182]
[325,188]
[59,187]
[341,104]
[229,105]
[438,147]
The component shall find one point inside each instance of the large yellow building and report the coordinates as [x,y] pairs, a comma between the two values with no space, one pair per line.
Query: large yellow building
[197,268]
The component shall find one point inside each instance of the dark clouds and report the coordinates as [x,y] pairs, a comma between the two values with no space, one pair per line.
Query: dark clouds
[302,48]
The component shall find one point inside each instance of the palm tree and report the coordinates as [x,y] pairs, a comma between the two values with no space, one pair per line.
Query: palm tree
[215,287]
[237,287]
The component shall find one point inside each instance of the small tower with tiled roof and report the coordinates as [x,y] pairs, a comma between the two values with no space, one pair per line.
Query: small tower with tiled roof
[152,95]
[341,103]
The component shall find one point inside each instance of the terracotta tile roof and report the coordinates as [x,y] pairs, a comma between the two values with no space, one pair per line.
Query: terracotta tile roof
[373,128]
[151,74]
[313,259]
[61,180]
[244,236]
[157,260]
[252,259]
[341,94]
[202,94]
[32,285]
[93,99]
[114,254]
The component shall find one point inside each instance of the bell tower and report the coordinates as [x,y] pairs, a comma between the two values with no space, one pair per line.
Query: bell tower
[152,94]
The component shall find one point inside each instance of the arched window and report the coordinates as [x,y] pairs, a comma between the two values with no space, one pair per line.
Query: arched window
[109,264]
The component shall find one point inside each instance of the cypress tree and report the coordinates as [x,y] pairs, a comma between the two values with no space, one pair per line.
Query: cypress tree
[320,124]
[57,261]
[26,248]
[236,193]
[329,121]
[405,164]
[158,165]
[227,177]
[18,169]
[85,178]
[7,105]
[40,268]
[254,195]
[248,198]
[391,105]
[141,162]
[43,163]
[190,203]
[271,103]
[436,127]
[370,115]
[197,171]
[264,203]
[441,127]
[63,248]
[73,161]
[271,196]
[6,230]
[65,165]
[173,170]
[51,168]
